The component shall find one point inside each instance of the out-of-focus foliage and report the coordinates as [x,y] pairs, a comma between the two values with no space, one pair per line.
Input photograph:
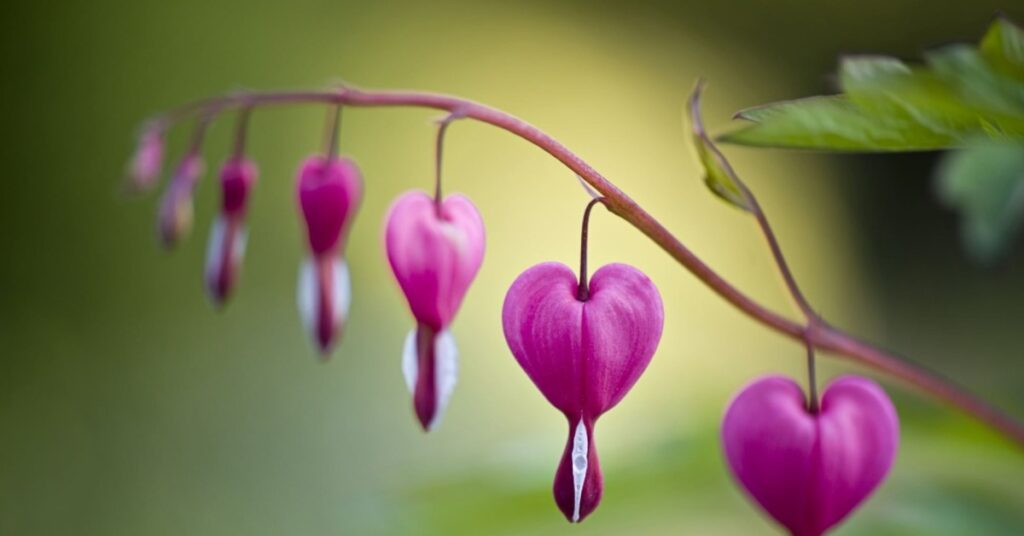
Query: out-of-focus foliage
[985,182]
[962,97]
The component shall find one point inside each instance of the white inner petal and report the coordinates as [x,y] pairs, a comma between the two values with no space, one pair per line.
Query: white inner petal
[579,466]
[342,291]
[446,368]
[214,247]
[307,295]
[409,362]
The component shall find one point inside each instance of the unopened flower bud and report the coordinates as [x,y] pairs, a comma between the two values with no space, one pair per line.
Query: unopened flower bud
[144,168]
[175,216]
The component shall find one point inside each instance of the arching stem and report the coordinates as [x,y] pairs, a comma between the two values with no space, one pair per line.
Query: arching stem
[820,334]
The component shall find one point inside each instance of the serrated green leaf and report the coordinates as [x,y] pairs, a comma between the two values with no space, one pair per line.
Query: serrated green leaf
[1003,48]
[718,174]
[833,123]
[985,183]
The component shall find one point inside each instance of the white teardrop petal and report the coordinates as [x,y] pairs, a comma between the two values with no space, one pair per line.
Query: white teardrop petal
[580,448]
[409,360]
[214,255]
[446,368]
[307,295]
[341,291]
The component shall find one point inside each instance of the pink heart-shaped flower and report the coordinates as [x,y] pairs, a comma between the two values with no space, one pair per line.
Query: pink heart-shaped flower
[584,356]
[435,251]
[810,470]
[226,246]
[329,191]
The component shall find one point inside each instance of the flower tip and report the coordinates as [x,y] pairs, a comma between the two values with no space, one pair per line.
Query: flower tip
[175,221]
[144,167]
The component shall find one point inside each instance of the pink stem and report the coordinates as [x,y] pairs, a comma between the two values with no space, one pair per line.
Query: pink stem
[816,332]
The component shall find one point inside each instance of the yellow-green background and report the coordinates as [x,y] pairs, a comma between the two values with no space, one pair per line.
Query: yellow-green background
[129,407]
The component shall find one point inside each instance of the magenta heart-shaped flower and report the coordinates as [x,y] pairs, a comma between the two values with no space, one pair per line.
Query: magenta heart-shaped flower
[435,251]
[329,191]
[810,470]
[584,356]
[226,246]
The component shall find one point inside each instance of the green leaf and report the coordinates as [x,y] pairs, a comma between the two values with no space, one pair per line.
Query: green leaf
[1003,47]
[958,94]
[985,183]
[832,123]
[887,88]
[718,174]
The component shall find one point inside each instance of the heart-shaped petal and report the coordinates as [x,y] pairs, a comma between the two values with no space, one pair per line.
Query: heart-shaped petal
[584,356]
[435,252]
[810,470]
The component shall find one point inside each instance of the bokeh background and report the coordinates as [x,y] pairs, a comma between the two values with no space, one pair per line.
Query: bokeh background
[129,406]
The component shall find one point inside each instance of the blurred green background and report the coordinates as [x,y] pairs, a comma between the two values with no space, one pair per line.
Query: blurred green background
[129,406]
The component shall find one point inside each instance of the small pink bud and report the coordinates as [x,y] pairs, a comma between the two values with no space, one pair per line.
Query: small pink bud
[329,192]
[584,356]
[144,168]
[226,247]
[810,470]
[175,217]
[435,253]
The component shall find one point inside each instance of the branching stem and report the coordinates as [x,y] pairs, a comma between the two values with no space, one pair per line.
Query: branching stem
[816,333]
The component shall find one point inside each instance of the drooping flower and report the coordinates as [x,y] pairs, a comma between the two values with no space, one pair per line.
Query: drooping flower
[228,235]
[584,356]
[175,216]
[329,191]
[810,470]
[435,251]
[144,168]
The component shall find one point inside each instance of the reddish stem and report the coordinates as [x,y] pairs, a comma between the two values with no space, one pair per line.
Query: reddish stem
[816,333]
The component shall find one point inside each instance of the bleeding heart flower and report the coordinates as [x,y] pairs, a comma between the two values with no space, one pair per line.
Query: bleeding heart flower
[435,251]
[175,217]
[329,191]
[144,169]
[228,235]
[809,470]
[584,356]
